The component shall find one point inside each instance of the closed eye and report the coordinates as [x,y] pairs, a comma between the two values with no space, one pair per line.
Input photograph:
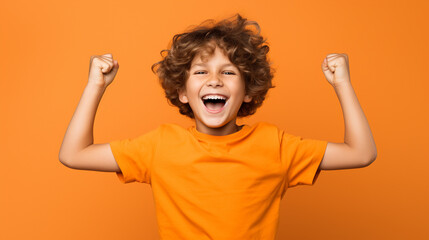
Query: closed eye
[229,73]
[226,72]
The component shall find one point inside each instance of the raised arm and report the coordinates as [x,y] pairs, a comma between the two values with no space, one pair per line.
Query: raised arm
[77,149]
[358,149]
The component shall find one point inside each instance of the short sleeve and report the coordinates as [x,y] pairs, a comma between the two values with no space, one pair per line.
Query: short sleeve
[302,158]
[134,157]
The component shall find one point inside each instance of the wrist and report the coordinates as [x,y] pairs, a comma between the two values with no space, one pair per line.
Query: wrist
[94,87]
[342,84]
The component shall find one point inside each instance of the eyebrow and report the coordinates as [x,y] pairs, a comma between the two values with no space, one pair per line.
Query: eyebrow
[203,65]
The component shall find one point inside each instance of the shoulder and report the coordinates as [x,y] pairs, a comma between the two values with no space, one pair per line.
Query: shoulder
[163,134]
[171,127]
[265,127]
[172,130]
[273,131]
[265,130]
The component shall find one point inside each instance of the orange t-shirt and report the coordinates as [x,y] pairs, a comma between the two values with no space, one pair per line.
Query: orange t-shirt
[218,187]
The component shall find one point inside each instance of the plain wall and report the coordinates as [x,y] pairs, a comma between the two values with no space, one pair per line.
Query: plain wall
[45,48]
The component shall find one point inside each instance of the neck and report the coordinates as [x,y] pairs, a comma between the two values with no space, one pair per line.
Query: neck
[226,129]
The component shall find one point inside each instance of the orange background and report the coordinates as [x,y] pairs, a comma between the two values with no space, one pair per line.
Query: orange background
[45,47]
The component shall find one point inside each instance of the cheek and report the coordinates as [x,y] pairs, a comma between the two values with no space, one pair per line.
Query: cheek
[192,89]
[239,88]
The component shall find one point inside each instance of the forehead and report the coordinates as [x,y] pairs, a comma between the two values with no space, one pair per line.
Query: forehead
[206,54]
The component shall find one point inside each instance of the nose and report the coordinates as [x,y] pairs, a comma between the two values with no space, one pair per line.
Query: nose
[214,81]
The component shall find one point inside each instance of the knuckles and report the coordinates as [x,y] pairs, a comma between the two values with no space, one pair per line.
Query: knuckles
[101,60]
[341,57]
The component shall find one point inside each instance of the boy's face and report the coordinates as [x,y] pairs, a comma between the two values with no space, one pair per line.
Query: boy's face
[215,91]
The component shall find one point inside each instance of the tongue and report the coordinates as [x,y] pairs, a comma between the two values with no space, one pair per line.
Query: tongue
[214,106]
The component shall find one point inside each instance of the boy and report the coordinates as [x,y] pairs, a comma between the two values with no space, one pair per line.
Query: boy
[217,180]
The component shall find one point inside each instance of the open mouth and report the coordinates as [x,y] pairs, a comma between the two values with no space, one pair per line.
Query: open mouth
[214,103]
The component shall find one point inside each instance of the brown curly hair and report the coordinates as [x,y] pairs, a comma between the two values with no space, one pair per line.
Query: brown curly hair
[244,48]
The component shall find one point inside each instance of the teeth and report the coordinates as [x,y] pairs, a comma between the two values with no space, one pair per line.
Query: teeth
[213,97]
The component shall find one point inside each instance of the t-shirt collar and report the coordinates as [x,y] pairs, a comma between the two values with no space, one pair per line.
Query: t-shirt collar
[225,138]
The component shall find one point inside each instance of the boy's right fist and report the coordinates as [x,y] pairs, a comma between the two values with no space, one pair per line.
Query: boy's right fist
[102,70]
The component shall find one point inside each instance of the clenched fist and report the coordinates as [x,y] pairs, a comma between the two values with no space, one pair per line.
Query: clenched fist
[336,69]
[102,70]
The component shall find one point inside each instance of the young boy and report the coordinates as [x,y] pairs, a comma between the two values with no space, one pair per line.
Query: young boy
[217,180]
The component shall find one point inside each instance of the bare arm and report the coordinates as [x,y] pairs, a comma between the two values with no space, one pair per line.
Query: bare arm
[77,149]
[358,149]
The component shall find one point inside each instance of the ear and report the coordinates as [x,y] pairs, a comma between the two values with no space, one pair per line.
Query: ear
[182,96]
[247,99]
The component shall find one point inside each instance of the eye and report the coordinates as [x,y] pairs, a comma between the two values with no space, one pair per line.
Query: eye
[199,72]
[229,73]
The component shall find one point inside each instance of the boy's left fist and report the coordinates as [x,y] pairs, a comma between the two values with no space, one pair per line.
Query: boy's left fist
[336,68]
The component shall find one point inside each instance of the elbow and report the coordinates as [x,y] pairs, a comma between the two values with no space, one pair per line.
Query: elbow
[64,161]
[61,158]
[370,159]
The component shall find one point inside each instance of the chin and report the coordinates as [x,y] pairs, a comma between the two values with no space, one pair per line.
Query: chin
[215,123]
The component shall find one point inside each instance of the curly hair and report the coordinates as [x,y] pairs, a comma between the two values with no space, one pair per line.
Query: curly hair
[245,49]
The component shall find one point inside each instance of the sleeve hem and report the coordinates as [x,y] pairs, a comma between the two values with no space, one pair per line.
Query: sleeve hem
[122,176]
[315,171]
